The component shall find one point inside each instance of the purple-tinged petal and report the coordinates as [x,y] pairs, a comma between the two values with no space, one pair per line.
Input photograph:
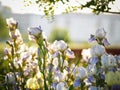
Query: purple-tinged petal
[105,42]
[70,54]
[56,69]
[77,83]
[92,38]
[55,54]
[93,60]
[100,33]
[91,69]
[54,85]
[91,79]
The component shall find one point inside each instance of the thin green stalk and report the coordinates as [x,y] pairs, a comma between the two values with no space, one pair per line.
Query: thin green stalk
[22,76]
[42,48]
[63,57]
[73,69]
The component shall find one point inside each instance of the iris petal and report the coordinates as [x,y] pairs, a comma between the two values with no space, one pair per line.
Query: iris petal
[77,83]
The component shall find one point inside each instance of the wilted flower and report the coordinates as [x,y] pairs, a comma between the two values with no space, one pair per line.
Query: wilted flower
[62,86]
[12,24]
[100,33]
[97,50]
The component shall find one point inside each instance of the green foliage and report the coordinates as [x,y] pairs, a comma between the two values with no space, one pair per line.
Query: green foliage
[3,29]
[99,6]
[51,1]
[46,6]
[4,67]
[59,34]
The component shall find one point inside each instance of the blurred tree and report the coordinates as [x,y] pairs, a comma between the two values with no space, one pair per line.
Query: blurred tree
[3,29]
[97,6]
[59,34]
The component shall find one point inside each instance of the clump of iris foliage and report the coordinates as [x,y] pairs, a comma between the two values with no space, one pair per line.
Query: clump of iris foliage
[50,66]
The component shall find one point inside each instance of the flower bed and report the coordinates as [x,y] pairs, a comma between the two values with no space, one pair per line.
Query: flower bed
[54,66]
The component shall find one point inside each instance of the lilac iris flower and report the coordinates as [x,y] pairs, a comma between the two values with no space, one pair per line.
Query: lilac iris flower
[91,79]
[93,60]
[91,69]
[105,42]
[77,83]
[35,31]
[92,38]
[54,85]
[55,54]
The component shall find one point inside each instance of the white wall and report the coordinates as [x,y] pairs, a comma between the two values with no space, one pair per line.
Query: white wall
[80,26]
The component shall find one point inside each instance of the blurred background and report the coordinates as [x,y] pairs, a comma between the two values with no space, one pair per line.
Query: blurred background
[74,28]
